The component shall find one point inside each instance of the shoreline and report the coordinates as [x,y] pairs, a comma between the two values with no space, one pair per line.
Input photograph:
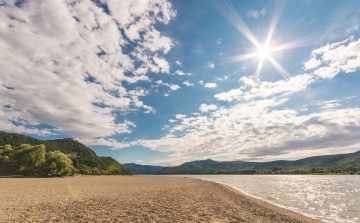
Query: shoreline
[272,203]
[134,199]
[261,199]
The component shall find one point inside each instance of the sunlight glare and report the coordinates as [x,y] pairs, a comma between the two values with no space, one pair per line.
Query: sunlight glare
[229,12]
[258,69]
[264,52]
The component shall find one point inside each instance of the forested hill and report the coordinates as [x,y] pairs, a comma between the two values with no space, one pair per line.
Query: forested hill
[142,169]
[339,163]
[83,158]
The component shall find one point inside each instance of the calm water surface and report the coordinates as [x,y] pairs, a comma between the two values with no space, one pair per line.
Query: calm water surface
[329,198]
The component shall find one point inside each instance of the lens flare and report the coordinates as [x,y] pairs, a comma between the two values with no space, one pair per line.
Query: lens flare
[264,52]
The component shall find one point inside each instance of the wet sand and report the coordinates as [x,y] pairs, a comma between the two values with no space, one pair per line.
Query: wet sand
[132,199]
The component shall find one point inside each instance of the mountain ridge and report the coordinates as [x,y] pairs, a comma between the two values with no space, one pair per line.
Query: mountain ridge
[140,169]
[332,163]
[84,159]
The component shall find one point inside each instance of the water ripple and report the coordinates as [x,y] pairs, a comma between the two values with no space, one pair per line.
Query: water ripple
[329,198]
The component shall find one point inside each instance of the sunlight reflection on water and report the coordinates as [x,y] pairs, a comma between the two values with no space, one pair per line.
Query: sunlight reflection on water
[329,198]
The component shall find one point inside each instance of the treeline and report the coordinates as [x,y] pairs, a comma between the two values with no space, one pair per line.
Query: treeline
[35,160]
[348,163]
[83,158]
[271,170]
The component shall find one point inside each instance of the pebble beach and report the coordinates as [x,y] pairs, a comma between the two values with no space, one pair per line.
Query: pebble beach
[132,199]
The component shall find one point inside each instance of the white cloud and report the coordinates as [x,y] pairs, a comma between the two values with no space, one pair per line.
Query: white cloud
[172,120]
[350,97]
[162,65]
[180,116]
[71,58]
[173,87]
[353,28]
[201,82]
[114,144]
[312,63]
[230,95]
[219,41]
[211,65]
[165,127]
[179,72]
[247,82]
[332,59]
[210,85]
[255,131]
[266,89]
[207,108]
[329,104]
[178,63]
[187,83]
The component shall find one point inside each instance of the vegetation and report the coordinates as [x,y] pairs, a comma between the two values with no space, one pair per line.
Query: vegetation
[331,164]
[83,159]
[142,169]
[33,160]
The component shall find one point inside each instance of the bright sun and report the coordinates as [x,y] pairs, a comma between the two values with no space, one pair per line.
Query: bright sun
[264,52]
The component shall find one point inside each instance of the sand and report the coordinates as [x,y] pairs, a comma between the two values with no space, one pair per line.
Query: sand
[132,199]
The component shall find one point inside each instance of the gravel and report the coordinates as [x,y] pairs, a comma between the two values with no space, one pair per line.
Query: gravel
[132,199]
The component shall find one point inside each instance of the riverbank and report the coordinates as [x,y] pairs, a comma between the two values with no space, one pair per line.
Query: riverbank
[132,199]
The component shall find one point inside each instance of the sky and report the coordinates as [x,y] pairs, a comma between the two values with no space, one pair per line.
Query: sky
[166,82]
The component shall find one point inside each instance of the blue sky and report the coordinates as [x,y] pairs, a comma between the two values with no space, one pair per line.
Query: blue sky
[166,82]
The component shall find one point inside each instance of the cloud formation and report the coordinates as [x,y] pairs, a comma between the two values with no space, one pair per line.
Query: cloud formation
[258,126]
[211,65]
[207,108]
[187,83]
[210,85]
[331,59]
[266,89]
[63,66]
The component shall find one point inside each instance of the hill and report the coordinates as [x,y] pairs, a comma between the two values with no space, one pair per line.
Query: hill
[83,157]
[338,163]
[142,169]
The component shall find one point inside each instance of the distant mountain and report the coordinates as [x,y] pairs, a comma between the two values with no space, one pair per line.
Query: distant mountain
[318,164]
[138,169]
[82,156]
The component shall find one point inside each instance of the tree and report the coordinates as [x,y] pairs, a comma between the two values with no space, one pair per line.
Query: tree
[58,164]
[30,159]
[75,163]
[127,171]
[5,159]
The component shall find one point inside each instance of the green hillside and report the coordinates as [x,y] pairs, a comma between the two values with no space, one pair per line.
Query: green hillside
[142,169]
[84,159]
[339,163]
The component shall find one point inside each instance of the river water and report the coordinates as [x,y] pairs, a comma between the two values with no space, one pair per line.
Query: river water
[326,197]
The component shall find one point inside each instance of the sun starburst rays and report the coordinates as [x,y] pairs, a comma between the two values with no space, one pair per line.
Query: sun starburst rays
[228,11]
[263,51]
[280,68]
[259,67]
[276,15]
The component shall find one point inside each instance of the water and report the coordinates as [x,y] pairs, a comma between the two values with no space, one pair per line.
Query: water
[329,198]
